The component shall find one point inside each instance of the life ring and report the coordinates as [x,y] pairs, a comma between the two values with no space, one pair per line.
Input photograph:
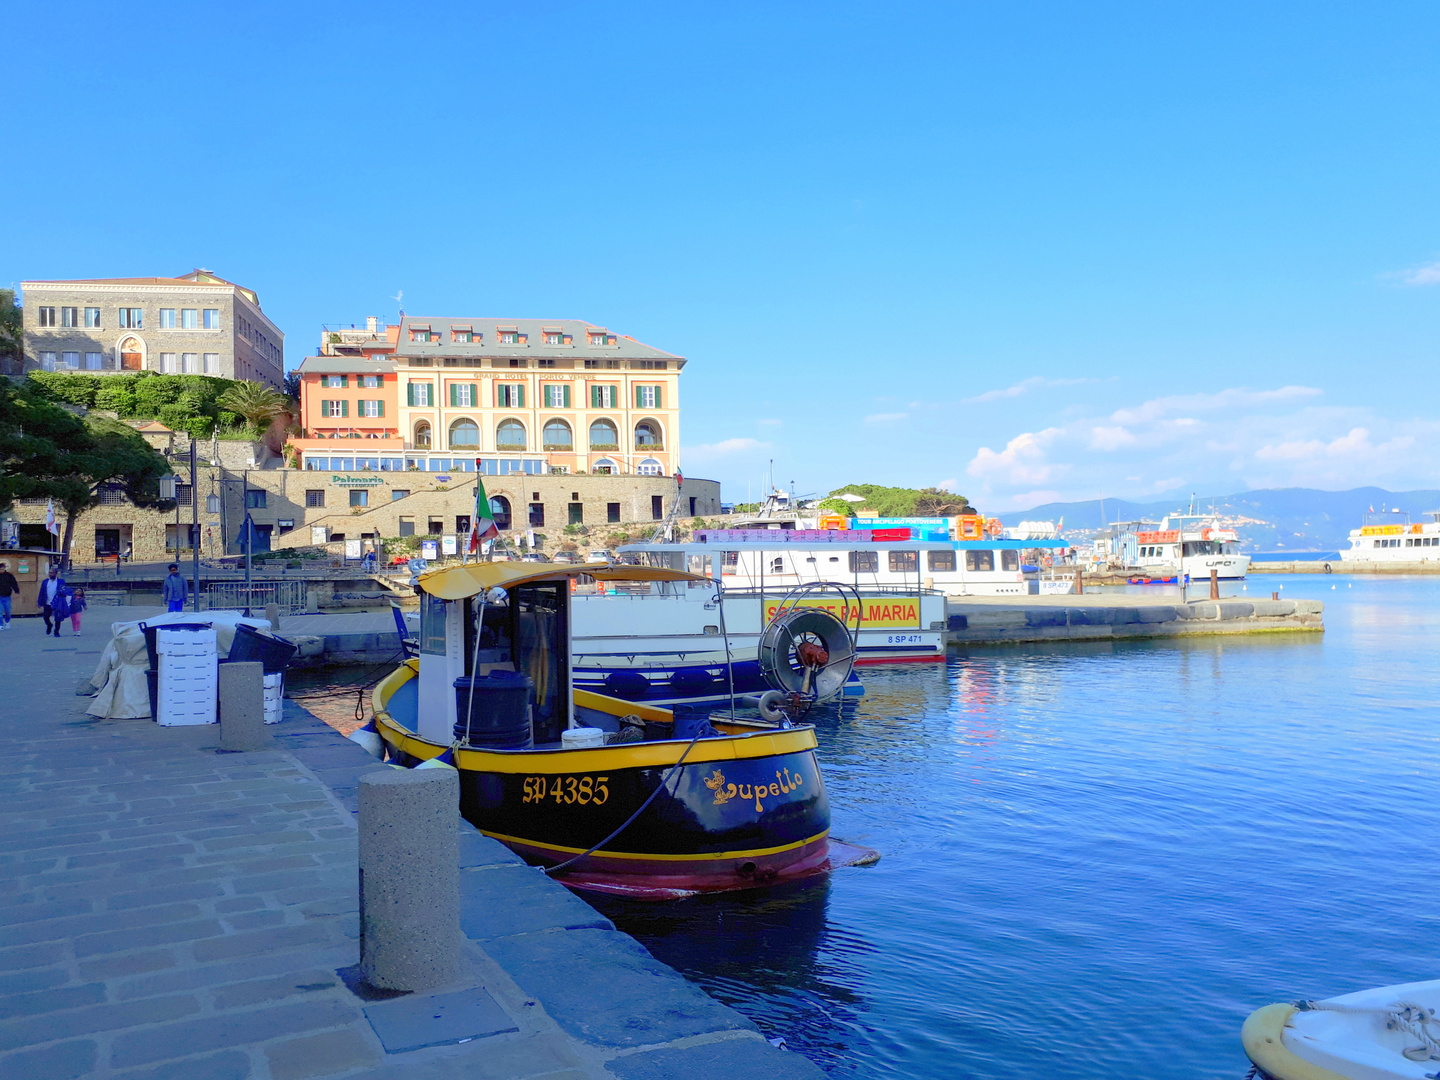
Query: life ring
[993,527]
[1048,561]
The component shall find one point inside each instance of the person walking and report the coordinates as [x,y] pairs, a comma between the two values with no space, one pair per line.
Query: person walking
[9,588]
[173,590]
[77,605]
[51,592]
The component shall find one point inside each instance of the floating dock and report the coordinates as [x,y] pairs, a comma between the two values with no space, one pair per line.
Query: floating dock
[1003,620]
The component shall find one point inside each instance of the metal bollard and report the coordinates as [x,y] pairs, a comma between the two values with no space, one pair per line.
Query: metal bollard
[272,616]
[242,707]
[410,878]
[1079,582]
[1214,584]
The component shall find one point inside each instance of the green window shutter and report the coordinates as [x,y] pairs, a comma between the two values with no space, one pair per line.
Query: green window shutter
[454,395]
[658,403]
[637,398]
[520,396]
[595,396]
[567,395]
[614,397]
[380,407]
[410,394]
[345,408]
[345,380]
[474,395]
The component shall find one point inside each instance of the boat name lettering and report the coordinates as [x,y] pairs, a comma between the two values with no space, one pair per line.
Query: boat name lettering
[585,790]
[785,782]
[877,613]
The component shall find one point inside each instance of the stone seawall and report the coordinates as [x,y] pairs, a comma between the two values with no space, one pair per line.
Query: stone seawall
[974,621]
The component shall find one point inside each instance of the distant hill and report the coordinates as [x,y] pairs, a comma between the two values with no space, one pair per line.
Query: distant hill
[1282,519]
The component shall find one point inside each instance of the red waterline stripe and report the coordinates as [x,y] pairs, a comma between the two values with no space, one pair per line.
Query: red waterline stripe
[927,657]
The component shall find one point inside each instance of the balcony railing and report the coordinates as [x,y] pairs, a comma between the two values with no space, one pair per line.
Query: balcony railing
[604,446]
[650,447]
[510,447]
[567,448]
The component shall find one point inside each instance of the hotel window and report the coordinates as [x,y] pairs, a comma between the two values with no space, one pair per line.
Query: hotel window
[187,318]
[130,318]
[612,512]
[254,499]
[545,362]
[537,515]
[864,562]
[979,560]
[47,316]
[372,408]
[604,397]
[190,363]
[904,562]
[518,363]
[70,359]
[422,336]
[940,560]
[418,394]
[359,497]
[94,361]
[419,361]
[509,337]
[168,363]
[314,497]
[577,513]
[212,318]
[1009,560]
[653,365]
[370,382]
[463,395]
[647,397]
[335,408]
[554,338]
[556,395]
[335,382]
[509,396]
[167,318]
[212,363]
[70,316]
[92,318]
[601,339]
[463,337]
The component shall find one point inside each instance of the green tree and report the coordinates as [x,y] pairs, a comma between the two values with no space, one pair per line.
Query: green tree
[11,333]
[257,403]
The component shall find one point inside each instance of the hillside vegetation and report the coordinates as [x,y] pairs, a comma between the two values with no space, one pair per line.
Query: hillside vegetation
[898,501]
[191,404]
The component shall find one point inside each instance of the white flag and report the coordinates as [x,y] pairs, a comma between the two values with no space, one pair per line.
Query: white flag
[51,526]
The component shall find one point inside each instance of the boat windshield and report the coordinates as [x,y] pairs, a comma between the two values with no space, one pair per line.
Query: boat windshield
[528,630]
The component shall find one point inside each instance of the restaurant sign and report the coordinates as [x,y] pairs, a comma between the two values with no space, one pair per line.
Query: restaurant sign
[356,481]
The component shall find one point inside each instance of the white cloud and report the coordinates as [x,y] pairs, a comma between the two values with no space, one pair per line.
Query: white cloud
[1235,398]
[723,448]
[1420,275]
[1110,437]
[885,417]
[948,485]
[1024,386]
[1022,462]
[769,422]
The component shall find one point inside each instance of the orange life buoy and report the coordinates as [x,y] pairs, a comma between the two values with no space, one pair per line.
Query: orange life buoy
[993,527]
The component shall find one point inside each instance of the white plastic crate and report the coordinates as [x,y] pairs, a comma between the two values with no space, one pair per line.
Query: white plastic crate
[186,688]
[274,697]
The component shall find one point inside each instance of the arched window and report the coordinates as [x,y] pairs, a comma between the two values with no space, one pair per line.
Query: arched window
[647,433]
[464,433]
[604,466]
[604,436]
[557,436]
[422,435]
[500,511]
[510,435]
[650,467]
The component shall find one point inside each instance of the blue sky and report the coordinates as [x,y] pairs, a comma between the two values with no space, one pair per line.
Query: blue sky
[1025,251]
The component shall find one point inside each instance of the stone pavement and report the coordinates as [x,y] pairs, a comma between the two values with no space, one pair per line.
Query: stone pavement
[169,912]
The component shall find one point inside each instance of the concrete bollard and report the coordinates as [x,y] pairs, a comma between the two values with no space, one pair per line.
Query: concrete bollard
[242,707]
[272,616]
[410,878]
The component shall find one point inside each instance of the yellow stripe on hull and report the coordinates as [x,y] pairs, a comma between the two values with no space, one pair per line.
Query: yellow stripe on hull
[606,853]
[1263,1038]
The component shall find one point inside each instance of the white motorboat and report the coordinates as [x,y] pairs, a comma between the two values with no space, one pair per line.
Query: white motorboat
[1190,544]
[1391,537]
[1387,1033]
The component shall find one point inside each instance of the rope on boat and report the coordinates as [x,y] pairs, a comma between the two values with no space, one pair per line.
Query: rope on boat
[551,871]
[1403,1016]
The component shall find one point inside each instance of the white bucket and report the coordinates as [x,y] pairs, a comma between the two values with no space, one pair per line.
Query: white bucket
[582,738]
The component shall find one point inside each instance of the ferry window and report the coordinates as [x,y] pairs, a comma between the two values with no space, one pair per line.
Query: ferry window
[903,561]
[729,558]
[1009,560]
[777,566]
[940,560]
[864,562]
[979,560]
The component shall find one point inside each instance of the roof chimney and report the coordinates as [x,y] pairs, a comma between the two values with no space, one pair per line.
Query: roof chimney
[371,322]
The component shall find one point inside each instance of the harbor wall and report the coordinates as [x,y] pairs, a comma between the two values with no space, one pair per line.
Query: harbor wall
[1084,619]
[1336,566]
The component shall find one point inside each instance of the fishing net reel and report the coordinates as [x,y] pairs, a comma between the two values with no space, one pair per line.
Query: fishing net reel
[806,655]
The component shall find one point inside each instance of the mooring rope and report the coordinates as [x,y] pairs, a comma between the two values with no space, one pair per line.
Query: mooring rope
[1404,1016]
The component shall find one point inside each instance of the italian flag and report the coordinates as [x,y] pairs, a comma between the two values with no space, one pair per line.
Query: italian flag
[483,526]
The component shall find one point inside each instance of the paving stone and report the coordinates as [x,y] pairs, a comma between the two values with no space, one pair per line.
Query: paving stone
[604,988]
[254,920]
[144,937]
[23,982]
[238,903]
[110,1017]
[321,1055]
[501,1057]
[228,1065]
[505,900]
[416,1021]
[52,1000]
[228,1030]
[259,841]
[205,976]
[113,967]
[253,993]
[259,941]
[164,894]
[65,1061]
[477,849]
[31,956]
[734,1059]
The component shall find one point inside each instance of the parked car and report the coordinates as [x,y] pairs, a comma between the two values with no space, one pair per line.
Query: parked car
[601,555]
[565,557]
[535,556]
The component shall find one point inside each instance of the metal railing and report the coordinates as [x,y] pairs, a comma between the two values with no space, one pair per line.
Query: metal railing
[289,596]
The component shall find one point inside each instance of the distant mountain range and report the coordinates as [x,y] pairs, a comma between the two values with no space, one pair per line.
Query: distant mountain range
[1279,519]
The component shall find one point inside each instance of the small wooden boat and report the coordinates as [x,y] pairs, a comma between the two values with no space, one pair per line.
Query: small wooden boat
[614,796]
[1388,1033]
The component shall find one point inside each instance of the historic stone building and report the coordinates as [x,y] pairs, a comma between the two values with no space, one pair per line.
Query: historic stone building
[195,324]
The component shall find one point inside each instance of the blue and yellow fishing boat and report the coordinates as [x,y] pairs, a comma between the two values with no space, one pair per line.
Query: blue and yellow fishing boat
[610,795]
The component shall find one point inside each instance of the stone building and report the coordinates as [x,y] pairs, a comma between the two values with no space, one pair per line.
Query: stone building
[195,324]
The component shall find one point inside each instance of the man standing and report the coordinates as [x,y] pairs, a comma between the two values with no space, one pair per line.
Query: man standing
[50,591]
[172,591]
[8,587]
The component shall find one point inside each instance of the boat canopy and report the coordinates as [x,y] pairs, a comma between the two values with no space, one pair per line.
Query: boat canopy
[472,579]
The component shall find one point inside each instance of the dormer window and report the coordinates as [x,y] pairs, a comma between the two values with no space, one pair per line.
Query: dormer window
[465,337]
[509,337]
[423,336]
[600,337]
[553,337]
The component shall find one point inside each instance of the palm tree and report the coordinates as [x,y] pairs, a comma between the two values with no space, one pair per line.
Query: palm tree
[257,403]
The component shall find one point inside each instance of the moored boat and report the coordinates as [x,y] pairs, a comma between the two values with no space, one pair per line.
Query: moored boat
[1385,1033]
[611,795]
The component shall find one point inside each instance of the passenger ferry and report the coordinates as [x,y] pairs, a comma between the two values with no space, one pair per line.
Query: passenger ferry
[1390,537]
[1190,544]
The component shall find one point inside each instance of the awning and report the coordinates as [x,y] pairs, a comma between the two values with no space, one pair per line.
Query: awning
[471,579]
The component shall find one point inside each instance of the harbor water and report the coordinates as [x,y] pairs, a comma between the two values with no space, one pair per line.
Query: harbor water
[1098,858]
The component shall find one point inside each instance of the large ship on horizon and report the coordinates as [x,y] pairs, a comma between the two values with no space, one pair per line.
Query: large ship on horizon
[1391,537]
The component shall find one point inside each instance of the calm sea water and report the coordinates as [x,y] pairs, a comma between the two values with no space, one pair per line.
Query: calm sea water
[1099,858]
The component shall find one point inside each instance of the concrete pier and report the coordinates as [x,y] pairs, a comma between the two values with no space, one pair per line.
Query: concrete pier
[997,620]
[170,911]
